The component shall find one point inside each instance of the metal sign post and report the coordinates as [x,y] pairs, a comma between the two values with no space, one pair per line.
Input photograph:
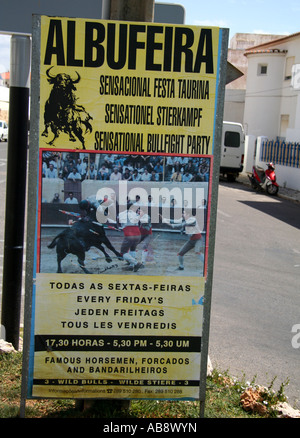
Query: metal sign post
[213,215]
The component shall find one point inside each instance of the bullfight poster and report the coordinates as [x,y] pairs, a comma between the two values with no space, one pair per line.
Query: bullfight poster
[125,136]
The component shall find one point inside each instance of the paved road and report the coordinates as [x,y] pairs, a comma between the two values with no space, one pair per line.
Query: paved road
[256,287]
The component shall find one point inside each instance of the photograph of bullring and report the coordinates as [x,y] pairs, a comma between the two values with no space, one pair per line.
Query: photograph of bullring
[118,214]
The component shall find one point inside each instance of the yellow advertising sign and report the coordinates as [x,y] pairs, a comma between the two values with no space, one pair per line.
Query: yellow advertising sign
[127,87]
[125,150]
[118,337]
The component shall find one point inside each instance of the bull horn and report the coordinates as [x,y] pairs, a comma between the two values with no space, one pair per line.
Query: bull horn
[76,80]
[48,74]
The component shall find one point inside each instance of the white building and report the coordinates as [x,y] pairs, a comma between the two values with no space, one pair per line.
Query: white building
[272,101]
[272,108]
[235,91]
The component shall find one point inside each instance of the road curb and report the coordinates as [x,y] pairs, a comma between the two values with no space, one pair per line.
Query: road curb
[290,195]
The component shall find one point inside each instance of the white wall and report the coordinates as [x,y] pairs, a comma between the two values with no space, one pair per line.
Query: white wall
[234,105]
[286,176]
[290,102]
[249,157]
[263,94]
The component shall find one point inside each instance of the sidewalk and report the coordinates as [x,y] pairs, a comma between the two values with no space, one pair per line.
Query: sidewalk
[284,192]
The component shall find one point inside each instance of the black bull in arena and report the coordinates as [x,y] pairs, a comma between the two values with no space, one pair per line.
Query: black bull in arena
[62,113]
[78,239]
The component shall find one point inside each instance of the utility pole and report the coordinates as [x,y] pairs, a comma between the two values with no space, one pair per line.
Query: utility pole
[132,10]
[15,187]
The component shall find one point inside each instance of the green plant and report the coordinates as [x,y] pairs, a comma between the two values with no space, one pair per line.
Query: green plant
[271,397]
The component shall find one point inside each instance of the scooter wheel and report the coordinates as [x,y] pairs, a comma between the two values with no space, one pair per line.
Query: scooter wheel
[272,190]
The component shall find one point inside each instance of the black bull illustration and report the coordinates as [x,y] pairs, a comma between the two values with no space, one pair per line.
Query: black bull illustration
[78,239]
[62,113]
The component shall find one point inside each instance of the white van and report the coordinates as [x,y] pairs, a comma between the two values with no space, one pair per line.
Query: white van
[3,131]
[232,150]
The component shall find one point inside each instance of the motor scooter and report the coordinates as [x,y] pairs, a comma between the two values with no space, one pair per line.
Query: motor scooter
[264,180]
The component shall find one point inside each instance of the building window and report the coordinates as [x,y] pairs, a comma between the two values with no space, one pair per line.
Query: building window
[290,61]
[284,124]
[262,69]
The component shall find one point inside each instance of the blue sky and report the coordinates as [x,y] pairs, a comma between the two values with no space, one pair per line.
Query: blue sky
[244,16]
[240,16]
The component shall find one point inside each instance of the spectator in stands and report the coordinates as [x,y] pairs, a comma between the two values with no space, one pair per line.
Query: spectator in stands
[71,199]
[173,203]
[187,203]
[54,158]
[135,176]
[177,166]
[128,166]
[80,167]
[170,164]
[163,202]
[150,163]
[56,198]
[137,201]
[69,163]
[146,176]
[140,168]
[159,170]
[203,171]
[74,175]
[51,172]
[150,201]
[127,174]
[109,160]
[64,173]
[115,175]
[154,176]
[159,167]
[189,167]
[44,169]
[85,163]
[91,173]
[103,173]
[177,176]
[187,177]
